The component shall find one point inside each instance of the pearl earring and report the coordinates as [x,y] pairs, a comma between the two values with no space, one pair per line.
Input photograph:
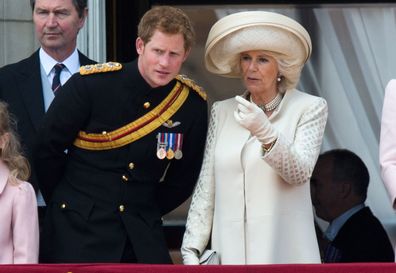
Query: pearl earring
[278,79]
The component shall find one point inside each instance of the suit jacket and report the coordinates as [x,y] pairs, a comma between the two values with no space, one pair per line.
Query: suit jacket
[97,200]
[361,239]
[19,233]
[21,88]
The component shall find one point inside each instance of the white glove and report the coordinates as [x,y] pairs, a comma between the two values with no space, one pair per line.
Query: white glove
[251,117]
[190,256]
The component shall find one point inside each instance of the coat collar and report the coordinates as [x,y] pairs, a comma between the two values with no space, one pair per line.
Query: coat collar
[31,87]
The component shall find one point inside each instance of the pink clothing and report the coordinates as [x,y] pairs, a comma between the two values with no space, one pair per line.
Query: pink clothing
[19,231]
[387,145]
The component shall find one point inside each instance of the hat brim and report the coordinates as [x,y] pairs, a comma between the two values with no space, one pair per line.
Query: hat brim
[232,23]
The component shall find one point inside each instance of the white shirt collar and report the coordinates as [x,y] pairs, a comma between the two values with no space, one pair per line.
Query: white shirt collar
[72,62]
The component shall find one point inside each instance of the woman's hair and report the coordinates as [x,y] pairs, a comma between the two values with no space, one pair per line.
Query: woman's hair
[168,20]
[11,153]
[289,71]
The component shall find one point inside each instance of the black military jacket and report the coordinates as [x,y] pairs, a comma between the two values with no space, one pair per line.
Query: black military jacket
[97,200]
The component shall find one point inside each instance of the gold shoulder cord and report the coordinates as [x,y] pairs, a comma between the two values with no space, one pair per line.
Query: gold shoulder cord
[138,128]
[143,125]
[191,84]
[100,68]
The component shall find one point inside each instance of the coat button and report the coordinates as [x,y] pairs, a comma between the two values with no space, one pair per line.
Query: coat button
[121,208]
[146,105]
[131,166]
[125,178]
[63,206]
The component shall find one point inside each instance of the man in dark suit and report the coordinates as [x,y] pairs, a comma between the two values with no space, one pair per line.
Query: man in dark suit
[26,85]
[339,189]
[135,135]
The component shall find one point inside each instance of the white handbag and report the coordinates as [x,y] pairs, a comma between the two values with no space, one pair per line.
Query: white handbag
[208,257]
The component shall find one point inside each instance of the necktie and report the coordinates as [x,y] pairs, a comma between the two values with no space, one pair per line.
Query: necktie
[332,254]
[56,81]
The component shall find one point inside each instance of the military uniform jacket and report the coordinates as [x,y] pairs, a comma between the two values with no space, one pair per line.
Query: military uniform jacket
[100,199]
[21,88]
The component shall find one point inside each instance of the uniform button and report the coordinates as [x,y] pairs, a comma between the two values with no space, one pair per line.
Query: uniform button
[121,208]
[146,105]
[125,178]
[131,166]
[63,206]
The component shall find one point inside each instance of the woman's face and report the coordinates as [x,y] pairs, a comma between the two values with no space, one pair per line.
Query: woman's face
[259,72]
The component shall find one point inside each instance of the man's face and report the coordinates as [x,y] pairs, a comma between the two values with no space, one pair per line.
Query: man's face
[324,192]
[57,24]
[161,58]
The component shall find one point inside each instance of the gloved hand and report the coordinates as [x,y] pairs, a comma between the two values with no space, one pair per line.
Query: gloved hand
[190,256]
[251,117]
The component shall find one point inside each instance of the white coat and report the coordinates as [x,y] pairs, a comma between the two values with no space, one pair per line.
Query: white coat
[257,205]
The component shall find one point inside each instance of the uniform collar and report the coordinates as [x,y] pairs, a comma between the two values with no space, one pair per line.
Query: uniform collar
[136,79]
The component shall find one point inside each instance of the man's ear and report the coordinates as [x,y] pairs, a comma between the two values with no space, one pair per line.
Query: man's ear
[83,19]
[139,45]
[346,190]
[186,54]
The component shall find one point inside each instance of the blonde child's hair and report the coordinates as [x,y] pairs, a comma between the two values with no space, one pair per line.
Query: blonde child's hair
[11,152]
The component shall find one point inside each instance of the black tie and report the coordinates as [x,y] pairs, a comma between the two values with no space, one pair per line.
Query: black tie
[56,81]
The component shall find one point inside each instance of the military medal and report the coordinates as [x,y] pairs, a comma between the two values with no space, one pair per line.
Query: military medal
[161,153]
[169,153]
[178,152]
[161,145]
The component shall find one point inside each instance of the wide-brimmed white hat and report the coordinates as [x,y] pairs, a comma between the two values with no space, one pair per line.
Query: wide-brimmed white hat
[255,30]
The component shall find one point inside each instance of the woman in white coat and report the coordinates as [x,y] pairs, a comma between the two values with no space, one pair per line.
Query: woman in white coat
[252,197]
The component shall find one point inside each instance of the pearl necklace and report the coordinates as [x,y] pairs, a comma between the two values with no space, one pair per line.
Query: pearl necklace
[268,107]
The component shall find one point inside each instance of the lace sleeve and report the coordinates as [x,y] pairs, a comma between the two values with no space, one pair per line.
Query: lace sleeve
[200,214]
[295,160]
